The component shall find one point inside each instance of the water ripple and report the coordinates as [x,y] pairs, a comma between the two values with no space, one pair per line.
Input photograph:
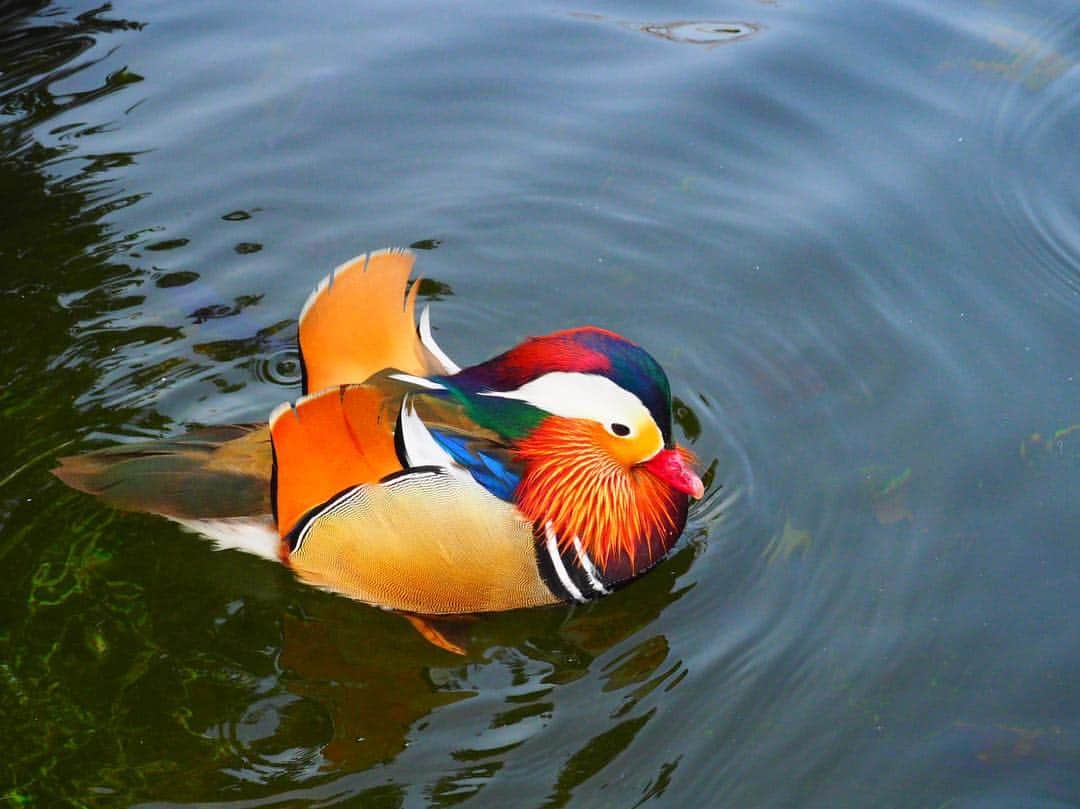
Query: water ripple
[698,32]
[707,33]
[280,368]
[1031,112]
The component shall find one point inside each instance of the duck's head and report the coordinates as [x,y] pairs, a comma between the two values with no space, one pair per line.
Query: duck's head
[589,415]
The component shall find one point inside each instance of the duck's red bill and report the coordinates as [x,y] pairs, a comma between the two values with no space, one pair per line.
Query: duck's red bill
[670,466]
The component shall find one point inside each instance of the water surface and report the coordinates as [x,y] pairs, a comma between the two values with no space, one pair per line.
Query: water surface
[850,234]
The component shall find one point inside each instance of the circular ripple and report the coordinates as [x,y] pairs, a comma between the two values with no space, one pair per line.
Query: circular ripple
[280,368]
[1034,114]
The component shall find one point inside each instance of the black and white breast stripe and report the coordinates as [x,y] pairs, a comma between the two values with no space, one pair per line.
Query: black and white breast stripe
[355,500]
[571,575]
[343,501]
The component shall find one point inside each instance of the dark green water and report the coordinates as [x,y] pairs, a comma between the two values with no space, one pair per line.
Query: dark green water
[850,233]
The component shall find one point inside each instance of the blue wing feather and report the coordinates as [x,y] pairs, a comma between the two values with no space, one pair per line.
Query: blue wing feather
[491,472]
[458,448]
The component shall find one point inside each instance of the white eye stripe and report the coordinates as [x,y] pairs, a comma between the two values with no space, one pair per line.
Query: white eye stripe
[582,396]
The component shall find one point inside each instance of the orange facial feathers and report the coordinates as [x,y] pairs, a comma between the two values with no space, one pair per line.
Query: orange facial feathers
[573,481]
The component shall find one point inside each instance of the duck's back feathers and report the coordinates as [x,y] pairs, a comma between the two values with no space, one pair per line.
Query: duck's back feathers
[331,441]
[215,473]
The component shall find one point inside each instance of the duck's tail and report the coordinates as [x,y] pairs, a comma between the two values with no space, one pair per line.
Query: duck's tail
[215,482]
[217,472]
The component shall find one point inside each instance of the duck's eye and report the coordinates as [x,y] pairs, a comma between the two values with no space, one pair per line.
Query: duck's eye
[620,429]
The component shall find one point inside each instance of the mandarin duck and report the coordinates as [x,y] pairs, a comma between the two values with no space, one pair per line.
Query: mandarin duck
[546,474]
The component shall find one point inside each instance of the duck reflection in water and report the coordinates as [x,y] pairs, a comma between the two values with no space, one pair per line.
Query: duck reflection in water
[378,685]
